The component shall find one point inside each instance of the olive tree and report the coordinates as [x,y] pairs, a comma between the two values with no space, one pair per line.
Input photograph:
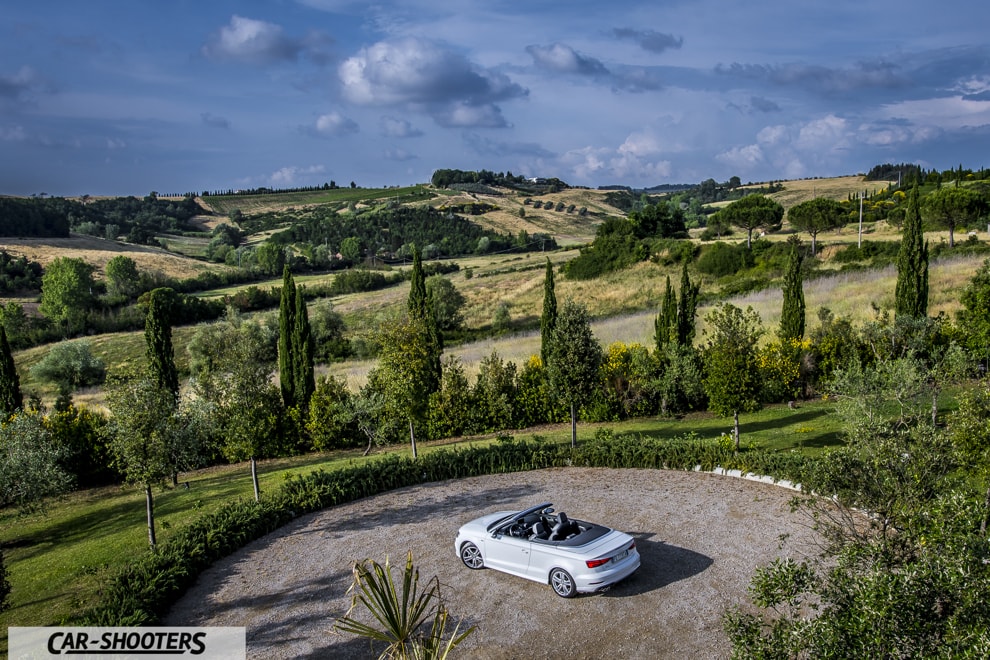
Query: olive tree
[69,365]
[232,364]
[30,463]
[152,436]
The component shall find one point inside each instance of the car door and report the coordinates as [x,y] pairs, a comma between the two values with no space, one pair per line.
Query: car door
[542,557]
[507,553]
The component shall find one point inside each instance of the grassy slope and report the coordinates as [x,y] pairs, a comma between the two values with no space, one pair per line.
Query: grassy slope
[98,252]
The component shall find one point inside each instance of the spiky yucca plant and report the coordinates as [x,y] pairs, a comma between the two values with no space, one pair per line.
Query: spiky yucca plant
[401,612]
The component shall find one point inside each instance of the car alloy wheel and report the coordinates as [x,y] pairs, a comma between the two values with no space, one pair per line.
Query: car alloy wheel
[471,556]
[562,583]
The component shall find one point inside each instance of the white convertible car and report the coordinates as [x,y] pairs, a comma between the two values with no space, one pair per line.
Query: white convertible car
[572,556]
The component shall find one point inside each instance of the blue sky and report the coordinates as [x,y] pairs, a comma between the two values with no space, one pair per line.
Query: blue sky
[104,97]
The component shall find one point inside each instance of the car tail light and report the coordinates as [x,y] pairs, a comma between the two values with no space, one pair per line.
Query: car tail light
[595,563]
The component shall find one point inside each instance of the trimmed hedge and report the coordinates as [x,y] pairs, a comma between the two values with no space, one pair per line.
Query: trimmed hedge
[144,591]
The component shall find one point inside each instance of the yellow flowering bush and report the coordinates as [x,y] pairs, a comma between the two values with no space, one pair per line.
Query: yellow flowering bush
[779,365]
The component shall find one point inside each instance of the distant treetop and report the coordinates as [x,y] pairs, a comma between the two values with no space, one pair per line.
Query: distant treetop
[447,178]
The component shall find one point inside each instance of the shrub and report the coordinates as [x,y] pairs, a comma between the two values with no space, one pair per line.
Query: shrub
[502,319]
[78,432]
[876,253]
[70,365]
[721,259]
[615,247]
[4,585]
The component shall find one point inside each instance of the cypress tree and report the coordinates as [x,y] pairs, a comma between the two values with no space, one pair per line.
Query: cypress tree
[665,325]
[418,306]
[10,385]
[303,349]
[286,326]
[549,318]
[687,306]
[911,293]
[158,338]
[793,311]
[419,309]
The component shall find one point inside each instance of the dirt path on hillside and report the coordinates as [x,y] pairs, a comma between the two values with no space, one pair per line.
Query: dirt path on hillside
[700,536]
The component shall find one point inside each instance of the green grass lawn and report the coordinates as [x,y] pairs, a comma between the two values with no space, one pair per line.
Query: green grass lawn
[57,561]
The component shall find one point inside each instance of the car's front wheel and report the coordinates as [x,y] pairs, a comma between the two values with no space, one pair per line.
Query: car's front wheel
[562,583]
[471,556]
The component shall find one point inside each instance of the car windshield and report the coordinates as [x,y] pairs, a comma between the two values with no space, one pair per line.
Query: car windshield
[520,514]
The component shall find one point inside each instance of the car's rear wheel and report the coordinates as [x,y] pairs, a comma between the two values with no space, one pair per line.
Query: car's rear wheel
[562,583]
[471,556]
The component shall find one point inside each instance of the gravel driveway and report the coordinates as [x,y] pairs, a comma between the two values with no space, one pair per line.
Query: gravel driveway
[700,536]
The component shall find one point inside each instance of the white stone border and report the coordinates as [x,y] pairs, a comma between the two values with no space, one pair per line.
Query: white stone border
[749,476]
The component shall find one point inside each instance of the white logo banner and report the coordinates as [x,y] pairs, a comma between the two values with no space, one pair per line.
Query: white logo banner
[127,643]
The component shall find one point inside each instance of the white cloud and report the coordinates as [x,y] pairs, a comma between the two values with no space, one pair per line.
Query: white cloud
[16,85]
[398,128]
[249,40]
[462,115]
[973,85]
[826,134]
[13,134]
[561,58]
[640,144]
[334,124]
[744,159]
[291,176]
[587,162]
[950,112]
[770,135]
[795,150]
[399,155]
[419,73]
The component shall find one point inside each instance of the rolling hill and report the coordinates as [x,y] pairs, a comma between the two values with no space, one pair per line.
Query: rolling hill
[623,302]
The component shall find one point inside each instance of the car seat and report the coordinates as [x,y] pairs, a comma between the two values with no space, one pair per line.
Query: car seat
[562,528]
